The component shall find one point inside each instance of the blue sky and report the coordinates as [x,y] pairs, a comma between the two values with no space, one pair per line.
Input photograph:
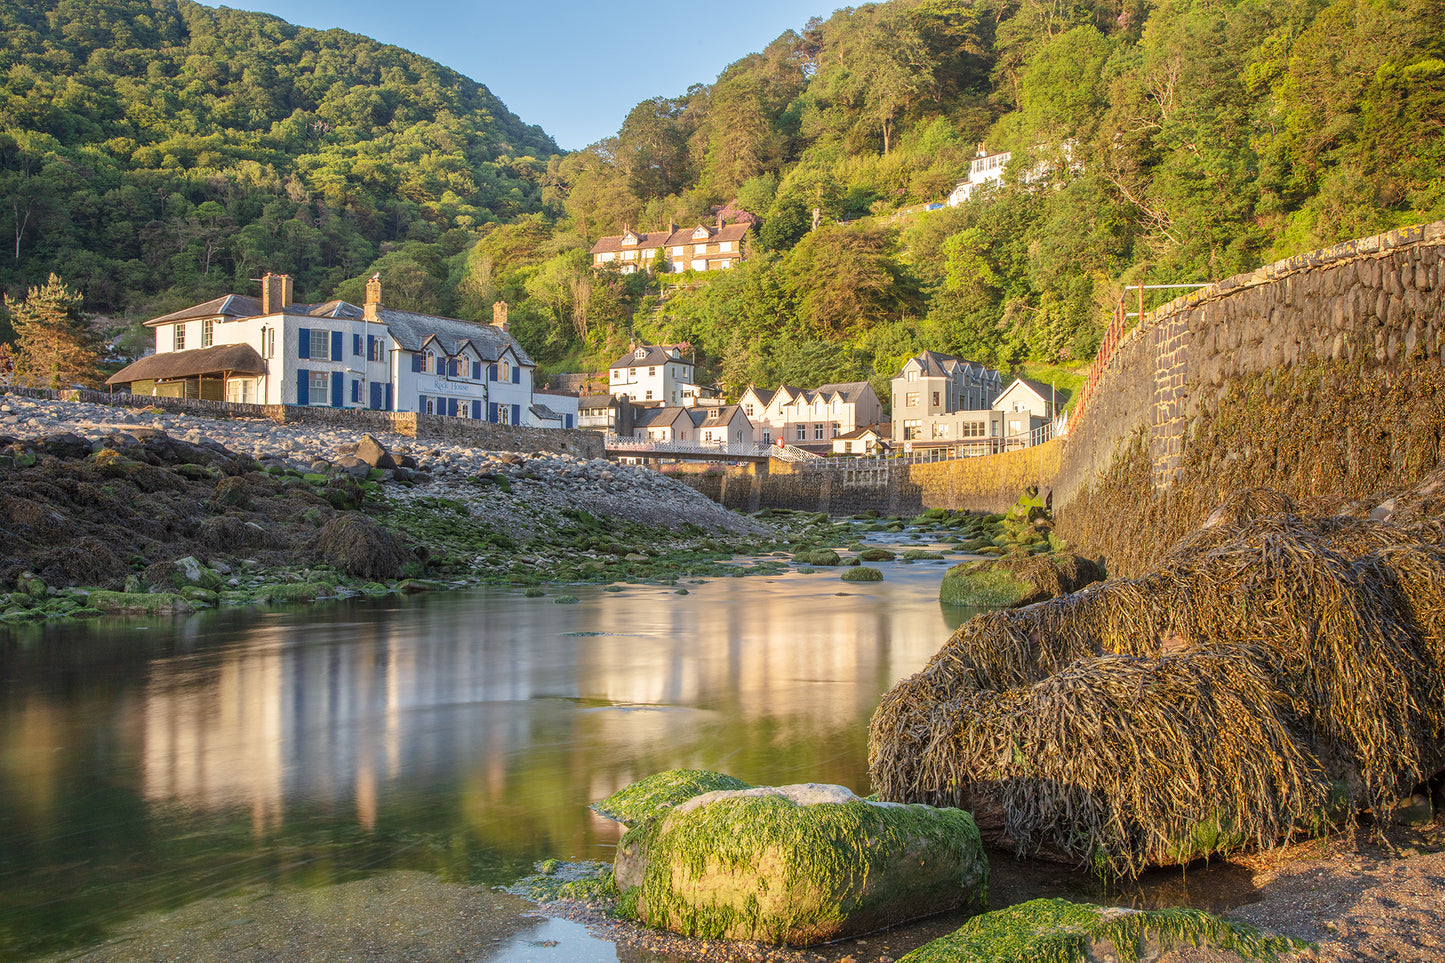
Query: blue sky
[574,68]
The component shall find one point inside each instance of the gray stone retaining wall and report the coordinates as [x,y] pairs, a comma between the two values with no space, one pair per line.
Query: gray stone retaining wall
[1374,303]
[459,431]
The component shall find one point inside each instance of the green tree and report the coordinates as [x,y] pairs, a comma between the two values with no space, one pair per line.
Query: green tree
[54,346]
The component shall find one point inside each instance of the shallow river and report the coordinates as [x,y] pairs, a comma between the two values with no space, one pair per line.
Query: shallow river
[151,764]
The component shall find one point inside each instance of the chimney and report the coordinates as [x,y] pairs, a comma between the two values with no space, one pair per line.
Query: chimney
[719,220]
[371,311]
[671,227]
[275,293]
[499,316]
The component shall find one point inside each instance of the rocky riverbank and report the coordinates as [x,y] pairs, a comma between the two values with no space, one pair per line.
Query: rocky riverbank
[196,511]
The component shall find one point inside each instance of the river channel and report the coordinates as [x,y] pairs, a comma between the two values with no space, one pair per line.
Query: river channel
[147,765]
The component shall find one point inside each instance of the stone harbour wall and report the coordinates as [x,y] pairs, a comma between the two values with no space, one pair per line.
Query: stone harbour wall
[458,431]
[1318,375]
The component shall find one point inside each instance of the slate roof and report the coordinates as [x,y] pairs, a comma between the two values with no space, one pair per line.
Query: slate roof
[240,358]
[937,365]
[245,306]
[412,331]
[713,415]
[662,417]
[650,240]
[882,432]
[656,354]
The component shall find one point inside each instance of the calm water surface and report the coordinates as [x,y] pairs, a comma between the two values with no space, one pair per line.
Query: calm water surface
[146,764]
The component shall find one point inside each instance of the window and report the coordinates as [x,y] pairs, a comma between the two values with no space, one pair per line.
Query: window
[241,391]
[911,374]
[835,429]
[848,447]
[767,437]
[378,348]
[504,415]
[208,332]
[652,372]
[935,399]
[180,340]
[940,430]
[268,343]
[912,429]
[649,396]
[748,410]
[802,432]
[318,387]
[504,371]
[817,432]
[911,400]
[320,344]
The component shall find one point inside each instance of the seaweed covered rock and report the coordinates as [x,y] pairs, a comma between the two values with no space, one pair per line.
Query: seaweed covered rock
[797,864]
[1057,931]
[659,793]
[863,573]
[1275,664]
[361,548]
[1011,582]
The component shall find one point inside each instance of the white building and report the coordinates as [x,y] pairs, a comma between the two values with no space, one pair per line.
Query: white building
[810,417]
[271,351]
[652,372]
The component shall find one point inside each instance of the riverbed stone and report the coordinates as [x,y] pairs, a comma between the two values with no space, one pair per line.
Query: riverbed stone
[1053,930]
[797,865]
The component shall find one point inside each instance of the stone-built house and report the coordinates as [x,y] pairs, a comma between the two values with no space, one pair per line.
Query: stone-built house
[700,248]
[810,418]
[938,398]
[273,351]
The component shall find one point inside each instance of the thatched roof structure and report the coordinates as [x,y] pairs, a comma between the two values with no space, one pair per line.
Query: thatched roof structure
[224,358]
[1277,666]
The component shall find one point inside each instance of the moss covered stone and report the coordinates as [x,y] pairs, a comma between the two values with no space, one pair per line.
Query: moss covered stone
[798,865]
[877,554]
[1010,582]
[863,573]
[658,794]
[140,603]
[1057,931]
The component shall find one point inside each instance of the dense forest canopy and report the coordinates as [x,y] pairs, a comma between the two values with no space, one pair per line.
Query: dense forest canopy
[154,152]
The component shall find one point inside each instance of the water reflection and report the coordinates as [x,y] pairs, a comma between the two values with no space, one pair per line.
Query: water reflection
[145,763]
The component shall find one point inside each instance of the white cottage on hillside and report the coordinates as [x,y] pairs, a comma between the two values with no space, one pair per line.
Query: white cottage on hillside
[274,352]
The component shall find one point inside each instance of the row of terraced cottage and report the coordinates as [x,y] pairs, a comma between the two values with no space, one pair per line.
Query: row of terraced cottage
[273,351]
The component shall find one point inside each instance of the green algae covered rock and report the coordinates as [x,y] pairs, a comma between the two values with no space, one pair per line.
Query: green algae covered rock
[140,603]
[822,556]
[1057,931]
[863,573]
[797,864]
[1011,582]
[658,794]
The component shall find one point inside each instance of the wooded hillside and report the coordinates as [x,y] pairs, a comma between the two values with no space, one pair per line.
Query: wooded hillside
[155,153]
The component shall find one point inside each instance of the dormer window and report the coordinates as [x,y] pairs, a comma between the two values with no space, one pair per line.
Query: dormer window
[629,239]
[701,234]
[640,353]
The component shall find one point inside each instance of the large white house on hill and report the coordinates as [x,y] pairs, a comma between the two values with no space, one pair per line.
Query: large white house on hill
[271,351]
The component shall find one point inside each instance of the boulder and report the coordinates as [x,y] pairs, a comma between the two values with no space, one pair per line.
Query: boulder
[799,865]
[371,451]
[1015,581]
[1050,930]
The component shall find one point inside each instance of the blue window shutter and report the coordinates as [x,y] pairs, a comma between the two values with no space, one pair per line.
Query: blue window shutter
[476,371]
[421,403]
[516,414]
[491,372]
[303,344]
[338,385]
[370,346]
[492,412]
[301,397]
[336,346]
[416,362]
[569,422]
[452,406]
[375,396]
[389,405]
[477,410]
[356,344]
[516,375]
[355,392]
